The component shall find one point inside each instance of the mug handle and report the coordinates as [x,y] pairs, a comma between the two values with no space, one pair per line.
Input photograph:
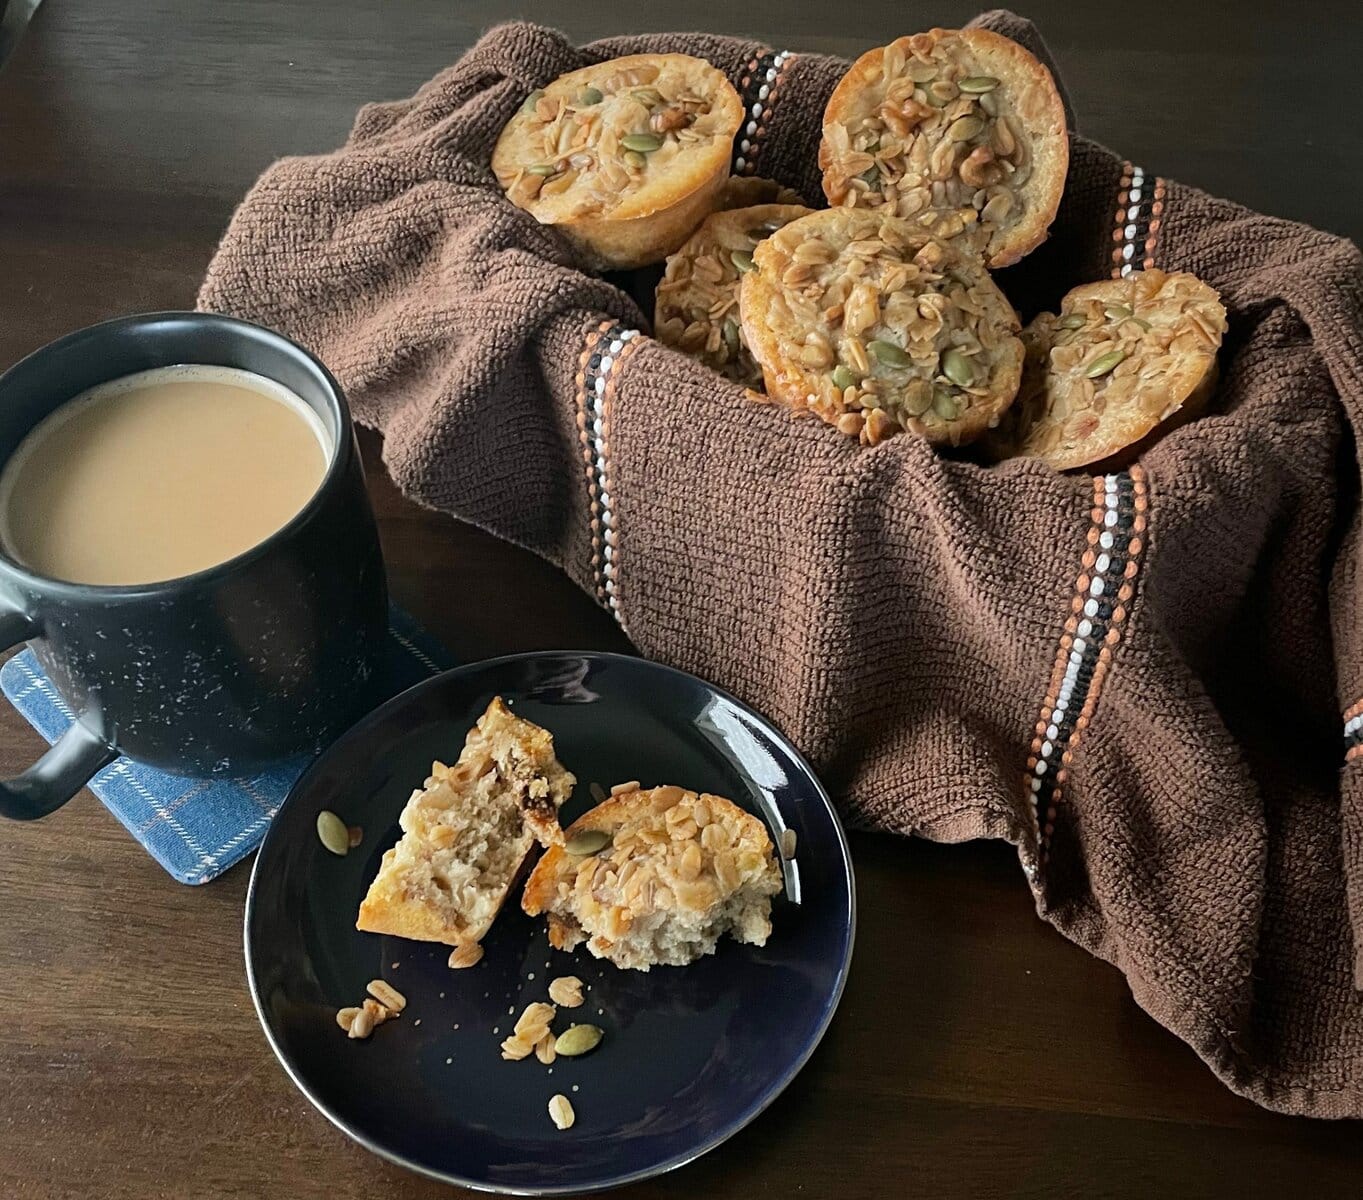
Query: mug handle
[66,767]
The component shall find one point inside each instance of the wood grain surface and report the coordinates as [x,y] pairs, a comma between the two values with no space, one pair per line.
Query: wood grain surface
[976,1054]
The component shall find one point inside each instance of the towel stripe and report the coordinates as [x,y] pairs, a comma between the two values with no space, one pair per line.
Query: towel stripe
[759,88]
[606,345]
[1099,607]
[1140,211]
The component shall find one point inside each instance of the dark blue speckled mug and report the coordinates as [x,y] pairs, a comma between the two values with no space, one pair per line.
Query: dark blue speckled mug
[265,655]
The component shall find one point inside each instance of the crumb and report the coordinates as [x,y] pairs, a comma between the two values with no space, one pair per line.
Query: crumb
[395,966]
[416,1022]
[496,1029]
[574,1087]
[442,995]
[531,975]
[456,1026]
[448,1061]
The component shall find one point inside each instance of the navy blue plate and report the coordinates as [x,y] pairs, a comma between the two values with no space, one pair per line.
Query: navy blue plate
[691,1054]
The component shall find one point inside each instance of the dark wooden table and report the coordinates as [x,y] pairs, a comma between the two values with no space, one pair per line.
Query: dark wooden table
[976,1052]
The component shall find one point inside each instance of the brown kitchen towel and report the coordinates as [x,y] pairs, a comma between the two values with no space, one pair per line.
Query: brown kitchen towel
[1139,680]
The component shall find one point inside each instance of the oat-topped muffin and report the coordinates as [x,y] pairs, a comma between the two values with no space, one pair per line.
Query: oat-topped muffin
[875,326]
[657,875]
[1125,361]
[697,309]
[625,157]
[960,130]
[467,832]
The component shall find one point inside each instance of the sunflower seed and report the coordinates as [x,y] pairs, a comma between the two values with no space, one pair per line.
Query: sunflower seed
[975,85]
[1116,312]
[543,169]
[731,333]
[470,954]
[577,1040]
[332,833]
[888,353]
[561,1111]
[958,368]
[642,143]
[1072,321]
[843,377]
[634,159]
[1103,364]
[1145,325]
[589,841]
[590,96]
[345,1016]
[387,995]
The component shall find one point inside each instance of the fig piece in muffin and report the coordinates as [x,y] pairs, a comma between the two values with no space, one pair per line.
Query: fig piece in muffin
[1125,361]
[697,300]
[657,876]
[876,326]
[961,131]
[625,157]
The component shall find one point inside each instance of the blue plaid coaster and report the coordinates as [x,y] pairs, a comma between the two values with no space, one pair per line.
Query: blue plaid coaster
[197,828]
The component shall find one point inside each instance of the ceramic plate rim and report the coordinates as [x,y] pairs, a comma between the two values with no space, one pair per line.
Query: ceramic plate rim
[781,1081]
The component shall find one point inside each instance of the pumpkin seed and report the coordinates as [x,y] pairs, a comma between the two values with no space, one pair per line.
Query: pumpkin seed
[636,160]
[1116,312]
[1104,363]
[590,95]
[976,85]
[1144,324]
[918,398]
[922,72]
[543,169]
[871,176]
[530,101]
[643,143]
[946,404]
[731,333]
[742,260]
[958,368]
[577,1040]
[333,833]
[589,841]
[843,377]
[648,97]
[962,129]
[1072,321]
[888,353]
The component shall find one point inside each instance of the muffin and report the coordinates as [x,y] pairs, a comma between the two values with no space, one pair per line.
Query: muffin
[468,832]
[624,158]
[875,326]
[960,131]
[1124,362]
[697,299]
[657,875]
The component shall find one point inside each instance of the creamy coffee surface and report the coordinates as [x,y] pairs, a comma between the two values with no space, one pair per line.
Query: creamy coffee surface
[160,474]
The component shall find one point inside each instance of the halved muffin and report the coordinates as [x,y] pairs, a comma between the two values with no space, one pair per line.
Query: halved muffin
[876,326]
[657,875]
[959,130]
[1124,362]
[625,157]
[468,832]
[697,299]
